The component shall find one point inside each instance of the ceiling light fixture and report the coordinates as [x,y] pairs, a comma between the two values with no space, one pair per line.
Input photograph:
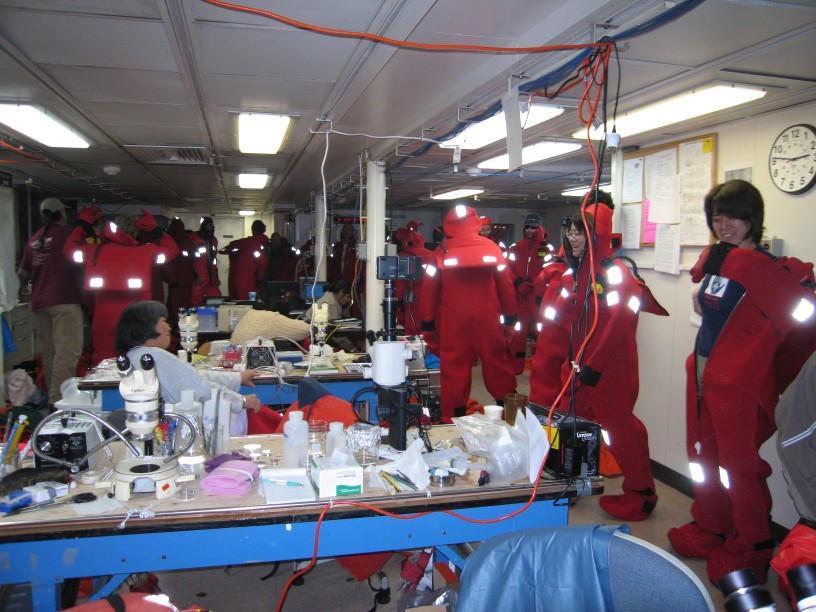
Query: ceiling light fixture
[532,154]
[262,132]
[457,193]
[252,180]
[40,125]
[695,103]
[579,192]
[494,128]
[246,213]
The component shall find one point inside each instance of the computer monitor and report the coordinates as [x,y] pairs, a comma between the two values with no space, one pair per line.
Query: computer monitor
[312,290]
[279,289]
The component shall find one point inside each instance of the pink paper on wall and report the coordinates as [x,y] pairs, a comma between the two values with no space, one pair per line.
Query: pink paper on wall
[649,229]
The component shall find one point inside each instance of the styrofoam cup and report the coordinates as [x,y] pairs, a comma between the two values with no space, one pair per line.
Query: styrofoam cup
[493,412]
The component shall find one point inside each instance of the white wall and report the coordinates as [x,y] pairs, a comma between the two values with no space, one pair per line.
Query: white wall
[664,342]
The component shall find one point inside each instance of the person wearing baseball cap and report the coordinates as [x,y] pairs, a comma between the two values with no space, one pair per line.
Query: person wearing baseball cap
[56,296]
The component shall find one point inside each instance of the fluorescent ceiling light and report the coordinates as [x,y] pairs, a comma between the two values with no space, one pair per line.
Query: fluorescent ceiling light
[695,103]
[490,130]
[252,181]
[261,132]
[41,126]
[457,193]
[246,213]
[532,154]
[579,192]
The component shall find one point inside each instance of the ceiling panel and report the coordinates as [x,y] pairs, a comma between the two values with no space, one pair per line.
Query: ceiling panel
[167,72]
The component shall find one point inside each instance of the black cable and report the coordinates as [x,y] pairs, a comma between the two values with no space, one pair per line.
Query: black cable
[357,394]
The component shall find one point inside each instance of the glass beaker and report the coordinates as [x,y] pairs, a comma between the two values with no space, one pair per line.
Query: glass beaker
[363,441]
[316,440]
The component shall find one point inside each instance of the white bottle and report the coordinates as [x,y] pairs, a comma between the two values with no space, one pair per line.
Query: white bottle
[335,439]
[191,461]
[295,440]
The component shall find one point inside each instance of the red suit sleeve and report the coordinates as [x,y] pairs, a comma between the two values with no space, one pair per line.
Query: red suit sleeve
[167,247]
[776,293]
[431,286]
[506,292]
[76,242]
[549,274]
[622,314]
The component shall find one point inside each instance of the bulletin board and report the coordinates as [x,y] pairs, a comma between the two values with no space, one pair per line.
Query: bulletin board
[664,187]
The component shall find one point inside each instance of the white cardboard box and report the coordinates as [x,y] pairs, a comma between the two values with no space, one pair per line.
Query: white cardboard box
[336,481]
[229,314]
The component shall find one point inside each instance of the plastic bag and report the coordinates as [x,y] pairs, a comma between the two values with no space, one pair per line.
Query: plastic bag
[445,596]
[798,548]
[497,441]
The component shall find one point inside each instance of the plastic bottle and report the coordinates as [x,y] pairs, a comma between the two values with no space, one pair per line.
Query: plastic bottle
[191,461]
[335,439]
[295,440]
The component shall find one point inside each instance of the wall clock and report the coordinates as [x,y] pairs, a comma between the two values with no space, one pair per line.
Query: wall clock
[792,160]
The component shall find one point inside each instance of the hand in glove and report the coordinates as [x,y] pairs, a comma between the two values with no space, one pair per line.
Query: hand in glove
[525,287]
[146,223]
[431,338]
[589,377]
[90,214]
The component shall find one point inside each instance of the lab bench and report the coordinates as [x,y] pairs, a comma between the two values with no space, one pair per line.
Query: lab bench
[47,547]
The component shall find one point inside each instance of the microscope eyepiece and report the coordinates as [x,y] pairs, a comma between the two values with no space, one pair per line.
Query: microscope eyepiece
[147,362]
[123,364]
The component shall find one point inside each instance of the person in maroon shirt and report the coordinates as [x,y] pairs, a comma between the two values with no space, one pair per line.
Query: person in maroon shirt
[56,295]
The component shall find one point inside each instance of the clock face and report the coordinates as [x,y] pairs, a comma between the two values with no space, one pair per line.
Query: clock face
[792,161]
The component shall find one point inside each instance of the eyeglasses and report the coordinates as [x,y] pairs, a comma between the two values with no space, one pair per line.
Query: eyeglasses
[530,227]
[574,234]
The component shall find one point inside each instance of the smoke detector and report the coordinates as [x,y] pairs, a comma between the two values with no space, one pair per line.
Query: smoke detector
[111,170]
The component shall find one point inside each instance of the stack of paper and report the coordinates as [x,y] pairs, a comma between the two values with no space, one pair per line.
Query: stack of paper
[286,486]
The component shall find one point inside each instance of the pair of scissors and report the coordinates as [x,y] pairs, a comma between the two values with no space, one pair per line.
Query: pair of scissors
[79,498]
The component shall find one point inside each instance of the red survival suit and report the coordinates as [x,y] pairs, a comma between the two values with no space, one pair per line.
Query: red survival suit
[342,264]
[525,260]
[472,290]
[282,259]
[733,414]
[179,274]
[207,282]
[409,293]
[247,257]
[607,386]
[552,341]
[118,272]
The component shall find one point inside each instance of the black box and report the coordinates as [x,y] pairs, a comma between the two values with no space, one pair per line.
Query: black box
[575,448]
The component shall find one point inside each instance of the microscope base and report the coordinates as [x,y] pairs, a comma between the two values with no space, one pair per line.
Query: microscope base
[165,475]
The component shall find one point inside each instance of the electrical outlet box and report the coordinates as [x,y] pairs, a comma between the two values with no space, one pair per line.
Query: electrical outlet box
[773,245]
[362,251]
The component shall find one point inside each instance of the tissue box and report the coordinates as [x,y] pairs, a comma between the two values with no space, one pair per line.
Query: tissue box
[336,480]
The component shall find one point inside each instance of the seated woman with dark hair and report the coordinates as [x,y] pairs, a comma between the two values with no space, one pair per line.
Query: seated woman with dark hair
[143,329]
[338,299]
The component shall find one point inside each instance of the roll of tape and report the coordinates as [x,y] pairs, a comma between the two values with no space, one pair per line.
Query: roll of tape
[89,477]
[442,478]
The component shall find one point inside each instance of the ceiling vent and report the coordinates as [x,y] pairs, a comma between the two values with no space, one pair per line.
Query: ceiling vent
[168,154]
